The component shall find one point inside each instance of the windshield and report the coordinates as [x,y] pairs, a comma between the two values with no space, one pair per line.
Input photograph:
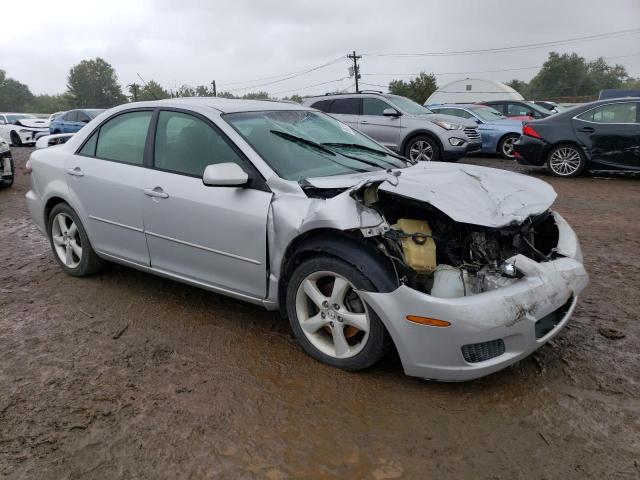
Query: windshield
[15,118]
[539,108]
[487,113]
[407,105]
[299,144]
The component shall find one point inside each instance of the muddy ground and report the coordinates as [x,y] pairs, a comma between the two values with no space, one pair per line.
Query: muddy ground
[126,375]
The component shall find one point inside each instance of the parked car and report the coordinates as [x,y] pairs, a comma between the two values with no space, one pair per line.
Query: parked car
[521,109]
[55,115]
[20,129]
[51,140]
[463,268]
[610,93]
[602,135]
[73,120]
[7,169]
[402,125]
[498,132]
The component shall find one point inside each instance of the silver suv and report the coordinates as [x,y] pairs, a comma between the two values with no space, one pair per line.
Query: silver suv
[403,125]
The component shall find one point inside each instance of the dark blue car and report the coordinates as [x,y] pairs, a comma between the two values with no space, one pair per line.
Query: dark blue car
[73,120]
[498,132]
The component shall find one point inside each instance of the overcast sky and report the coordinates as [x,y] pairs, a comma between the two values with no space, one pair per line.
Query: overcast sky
[193,42]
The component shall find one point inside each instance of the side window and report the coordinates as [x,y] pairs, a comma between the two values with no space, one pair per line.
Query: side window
[185,144]
[514,109]
[456,112]
[122,138]
[83,117]
[322,105]
[89,148]
[71,116]
[499,107]
[346,106]
[374,106]
[613,113]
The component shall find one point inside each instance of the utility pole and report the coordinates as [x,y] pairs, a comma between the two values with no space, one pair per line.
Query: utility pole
[213,88]
[356,68]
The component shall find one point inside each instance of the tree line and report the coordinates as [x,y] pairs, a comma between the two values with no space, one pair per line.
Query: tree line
[94,83]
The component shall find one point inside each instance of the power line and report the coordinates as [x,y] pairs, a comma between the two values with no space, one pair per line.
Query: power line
[528,46]
[309,86]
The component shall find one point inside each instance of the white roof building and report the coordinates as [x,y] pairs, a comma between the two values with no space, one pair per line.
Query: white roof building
[472,90]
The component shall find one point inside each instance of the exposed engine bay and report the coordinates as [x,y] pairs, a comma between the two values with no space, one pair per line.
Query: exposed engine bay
[436,255]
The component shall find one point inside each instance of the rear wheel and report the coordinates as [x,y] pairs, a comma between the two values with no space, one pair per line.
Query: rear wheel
[70,243]
[16,141]
[566,161]
[422,149]
[505,148]
[7,181]
[329,319]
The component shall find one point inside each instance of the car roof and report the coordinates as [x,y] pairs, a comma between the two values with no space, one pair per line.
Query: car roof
[458,105]
[224,105]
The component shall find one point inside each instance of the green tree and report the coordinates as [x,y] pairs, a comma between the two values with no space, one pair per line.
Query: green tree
[151,91]
[94,84]
[294,98]
[519,86]
[203,91]
[256,96]
[226,95]
[417,89]
[14,96]
[50,103]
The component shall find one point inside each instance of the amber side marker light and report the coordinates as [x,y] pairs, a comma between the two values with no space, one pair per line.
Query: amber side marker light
[432,322]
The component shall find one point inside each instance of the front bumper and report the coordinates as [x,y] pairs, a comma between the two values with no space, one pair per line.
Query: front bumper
[452,153]
[517,316]
[30,136]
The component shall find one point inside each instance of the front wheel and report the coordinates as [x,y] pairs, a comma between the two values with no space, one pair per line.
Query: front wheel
[566,161]
[16,141]
[329,319]
[422,149]
[505,148]
[70,243]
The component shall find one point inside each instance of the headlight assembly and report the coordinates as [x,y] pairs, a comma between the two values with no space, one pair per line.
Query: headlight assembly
[449,126]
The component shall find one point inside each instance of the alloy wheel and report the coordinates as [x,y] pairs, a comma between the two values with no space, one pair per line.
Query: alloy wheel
[565,161]
[332,315]
[507,147]
[66,240]
[421,151]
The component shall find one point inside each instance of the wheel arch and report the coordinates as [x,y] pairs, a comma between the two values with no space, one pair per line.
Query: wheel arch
[48,206]
[417,133]
[502,137]
[345,246]
[571,142]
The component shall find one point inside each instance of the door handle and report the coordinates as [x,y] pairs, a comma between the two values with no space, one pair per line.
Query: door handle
[76,172]
[587,129]
[156,192]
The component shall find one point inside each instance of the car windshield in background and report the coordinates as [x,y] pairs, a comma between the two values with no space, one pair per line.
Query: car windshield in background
[299,144]
[539,108]
[15,118]
[407,105]
[93,113]
[487,113]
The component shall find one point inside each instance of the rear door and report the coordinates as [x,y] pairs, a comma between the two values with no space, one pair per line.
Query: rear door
[386,130]
[346,110]
[69,121]
[612,133]
[106,177]
[213,235]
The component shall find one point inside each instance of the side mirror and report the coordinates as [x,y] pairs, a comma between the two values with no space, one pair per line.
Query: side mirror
[86,120]
[390,112]
[477,120]
[225,175]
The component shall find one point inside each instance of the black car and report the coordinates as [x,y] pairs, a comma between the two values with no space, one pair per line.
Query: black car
[518,108]
[602,135]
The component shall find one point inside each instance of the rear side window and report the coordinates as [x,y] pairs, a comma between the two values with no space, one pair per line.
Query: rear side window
[498,106]
[374,106]
[614,113]
[89,148]
[322,105]
[123,138]
[71,116]
[185,144]
[83,117]
[346,106]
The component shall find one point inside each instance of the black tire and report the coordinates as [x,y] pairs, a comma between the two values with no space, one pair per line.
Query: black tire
[89,263]
[7,182]
[415,142]
[56,132]
[378,340]
[15,139]
[504,141]
[569,151]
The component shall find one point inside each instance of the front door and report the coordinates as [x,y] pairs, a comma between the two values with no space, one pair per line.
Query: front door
[612,133]
[213,235]
[384,129]
[106,178]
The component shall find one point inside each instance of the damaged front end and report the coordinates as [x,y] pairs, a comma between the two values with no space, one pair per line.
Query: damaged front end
[482,282]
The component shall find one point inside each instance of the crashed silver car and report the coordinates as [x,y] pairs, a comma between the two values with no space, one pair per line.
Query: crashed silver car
[462,269]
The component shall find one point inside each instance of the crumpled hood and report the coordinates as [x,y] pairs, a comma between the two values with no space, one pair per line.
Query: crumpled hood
[33,122]
[466,193]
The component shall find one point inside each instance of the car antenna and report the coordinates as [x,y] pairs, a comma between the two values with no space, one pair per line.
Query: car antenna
[145,84]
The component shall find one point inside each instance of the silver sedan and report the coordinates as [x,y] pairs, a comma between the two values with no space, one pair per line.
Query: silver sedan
[463,269]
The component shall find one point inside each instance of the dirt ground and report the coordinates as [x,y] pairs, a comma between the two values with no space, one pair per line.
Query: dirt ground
[126,375]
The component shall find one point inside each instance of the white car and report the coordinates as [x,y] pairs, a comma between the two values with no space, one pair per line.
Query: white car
[6,165]
[51,140]
[21,128]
